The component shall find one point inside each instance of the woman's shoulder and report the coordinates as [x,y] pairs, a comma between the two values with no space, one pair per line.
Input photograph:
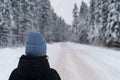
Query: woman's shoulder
[54,74]
[14,75]
[53,71]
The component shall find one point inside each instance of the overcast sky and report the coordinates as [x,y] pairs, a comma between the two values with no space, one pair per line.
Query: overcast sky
[64,8]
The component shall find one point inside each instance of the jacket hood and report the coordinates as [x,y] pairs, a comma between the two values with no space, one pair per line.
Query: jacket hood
[33,67]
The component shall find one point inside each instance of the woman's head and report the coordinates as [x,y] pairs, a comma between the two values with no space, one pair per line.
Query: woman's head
[35,44]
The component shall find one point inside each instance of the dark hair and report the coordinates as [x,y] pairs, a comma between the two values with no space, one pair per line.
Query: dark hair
[45,57]
[37,57]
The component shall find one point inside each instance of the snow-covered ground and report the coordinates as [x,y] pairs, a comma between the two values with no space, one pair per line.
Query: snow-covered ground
[72,61]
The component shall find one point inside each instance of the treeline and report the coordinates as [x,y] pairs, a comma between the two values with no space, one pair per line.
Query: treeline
[97,24]
[18,17]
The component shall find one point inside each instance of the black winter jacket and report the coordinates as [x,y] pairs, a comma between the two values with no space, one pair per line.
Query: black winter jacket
[34,68]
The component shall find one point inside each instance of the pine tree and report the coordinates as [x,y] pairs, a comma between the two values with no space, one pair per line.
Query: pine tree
[19,21]
[92,21]
[75,17]
[46,17]
[98,23]
[113,26]
[104,11]
[5,24]
[83,23]
[75,23]
[56,25]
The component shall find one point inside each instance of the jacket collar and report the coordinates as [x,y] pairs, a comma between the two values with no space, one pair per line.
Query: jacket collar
[33,67]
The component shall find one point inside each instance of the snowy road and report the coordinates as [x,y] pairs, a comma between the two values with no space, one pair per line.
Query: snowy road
[72,61]
[79,63]
[72,66]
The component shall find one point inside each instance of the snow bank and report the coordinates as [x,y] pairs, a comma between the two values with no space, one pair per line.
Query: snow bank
[9,59]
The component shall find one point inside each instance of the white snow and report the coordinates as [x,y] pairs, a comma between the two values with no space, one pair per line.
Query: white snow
[72,61]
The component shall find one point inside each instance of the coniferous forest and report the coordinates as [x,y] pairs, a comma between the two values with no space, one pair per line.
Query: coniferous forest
[96,24]
[18,17]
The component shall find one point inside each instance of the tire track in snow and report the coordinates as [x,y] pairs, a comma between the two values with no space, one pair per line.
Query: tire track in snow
[79,64]
[106,69]
[64,66]
[72,67]
[85,71]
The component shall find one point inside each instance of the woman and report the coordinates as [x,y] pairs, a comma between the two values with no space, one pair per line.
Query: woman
[34,64]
